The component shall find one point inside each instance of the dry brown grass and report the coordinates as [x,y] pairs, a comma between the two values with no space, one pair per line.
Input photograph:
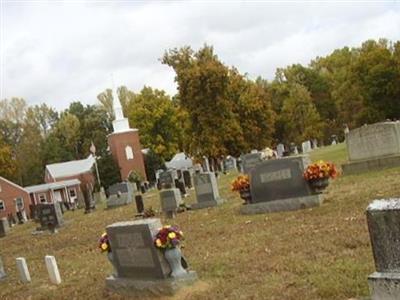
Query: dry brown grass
[319,253]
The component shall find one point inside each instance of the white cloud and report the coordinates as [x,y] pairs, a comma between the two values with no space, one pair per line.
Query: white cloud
[59,52]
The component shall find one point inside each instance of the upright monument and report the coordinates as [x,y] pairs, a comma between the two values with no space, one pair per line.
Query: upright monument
[124,144]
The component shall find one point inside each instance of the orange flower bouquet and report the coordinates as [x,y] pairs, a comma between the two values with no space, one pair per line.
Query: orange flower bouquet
[318,174]
[242,185]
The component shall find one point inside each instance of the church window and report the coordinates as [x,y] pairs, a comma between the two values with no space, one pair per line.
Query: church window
[128,152]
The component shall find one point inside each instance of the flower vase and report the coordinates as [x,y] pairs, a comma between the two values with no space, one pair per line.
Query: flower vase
[173,257]
[318,185]
[245,195]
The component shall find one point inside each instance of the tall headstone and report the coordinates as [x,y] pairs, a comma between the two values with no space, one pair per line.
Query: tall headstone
[4,227]
[141,269]
[2,271]
[187,177]
[230,163]
[280,149]
[249,161]
[23,270]
[170,200]
[206,188]
[306,147]
[383,217]
[373,147]
[206,164]
[50,215]
[278,185]
[167,179]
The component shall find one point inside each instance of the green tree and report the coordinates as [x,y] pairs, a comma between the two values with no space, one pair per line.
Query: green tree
[156,117]
[300,117]
[108,170]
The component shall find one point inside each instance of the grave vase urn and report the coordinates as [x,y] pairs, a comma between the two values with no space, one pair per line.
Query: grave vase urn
[318,185]
[245,195]
[174,259]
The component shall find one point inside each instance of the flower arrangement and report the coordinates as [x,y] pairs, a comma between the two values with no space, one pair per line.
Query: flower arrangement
[241,183]
[104,243]
[168,237]
[320,170]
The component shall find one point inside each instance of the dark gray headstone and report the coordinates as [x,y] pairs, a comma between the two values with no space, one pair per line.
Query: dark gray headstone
[383,217]
[279,179]
[206,188]
[167,178]
[50,215]
[133,250]
[2,271]
[4,227]
[229,164]
[187,178]
[249,161]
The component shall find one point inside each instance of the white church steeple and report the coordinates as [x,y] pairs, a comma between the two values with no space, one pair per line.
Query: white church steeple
[120,124]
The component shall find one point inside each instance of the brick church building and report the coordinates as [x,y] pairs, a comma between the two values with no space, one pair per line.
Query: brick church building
[125,145]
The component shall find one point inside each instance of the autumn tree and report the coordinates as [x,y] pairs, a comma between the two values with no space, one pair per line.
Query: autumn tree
[203,92]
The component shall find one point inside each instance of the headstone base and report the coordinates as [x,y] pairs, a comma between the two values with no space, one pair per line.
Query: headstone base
[384,286]
[371,165]
[282,205]
[205,204]
[147,288]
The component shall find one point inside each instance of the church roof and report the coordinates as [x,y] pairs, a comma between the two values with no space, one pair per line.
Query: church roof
[71,168]
[51,186]
[179,161]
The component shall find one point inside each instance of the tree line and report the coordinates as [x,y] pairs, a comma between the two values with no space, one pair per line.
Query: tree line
[217,110]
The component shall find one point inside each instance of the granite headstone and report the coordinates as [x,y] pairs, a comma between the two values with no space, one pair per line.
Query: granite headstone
[206,188]
[119,194]
[278,185]
[170,200]
[141,268]
[383,218]
[249,161]
[50,215]
[306,147]
[373,147]
[4,227]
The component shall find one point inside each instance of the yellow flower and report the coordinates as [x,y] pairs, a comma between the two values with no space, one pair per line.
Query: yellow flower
[104,246]
[172,235]
[158,243]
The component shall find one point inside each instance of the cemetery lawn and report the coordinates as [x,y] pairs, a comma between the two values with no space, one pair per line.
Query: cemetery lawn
[319,253]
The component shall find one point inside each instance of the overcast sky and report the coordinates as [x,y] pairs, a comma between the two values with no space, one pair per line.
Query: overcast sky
[62,51]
